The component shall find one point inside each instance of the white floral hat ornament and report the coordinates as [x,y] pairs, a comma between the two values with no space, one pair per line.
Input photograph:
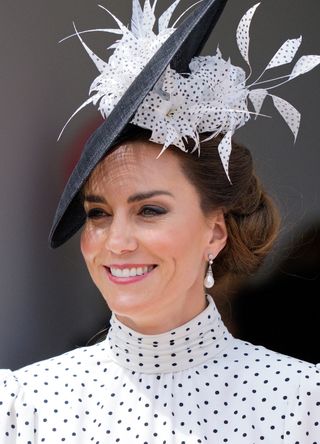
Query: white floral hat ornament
[207,95]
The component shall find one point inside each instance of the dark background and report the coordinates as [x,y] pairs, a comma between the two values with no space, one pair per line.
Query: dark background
[48,303]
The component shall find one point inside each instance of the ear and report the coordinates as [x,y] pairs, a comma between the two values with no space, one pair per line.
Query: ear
[218,233]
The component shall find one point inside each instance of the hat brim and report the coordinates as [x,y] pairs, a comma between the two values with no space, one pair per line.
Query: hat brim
[185,43]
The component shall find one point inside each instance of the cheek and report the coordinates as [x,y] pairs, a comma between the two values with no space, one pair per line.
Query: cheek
[167,241]
[172,246]
[89,244]
[188,245]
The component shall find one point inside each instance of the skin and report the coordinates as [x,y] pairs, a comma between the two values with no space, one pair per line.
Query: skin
[178,241]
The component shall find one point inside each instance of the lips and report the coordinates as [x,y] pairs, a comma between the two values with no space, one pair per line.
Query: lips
[130,272]
[121,273]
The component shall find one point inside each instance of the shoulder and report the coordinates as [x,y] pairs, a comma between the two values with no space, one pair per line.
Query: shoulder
[25,391]
[13,408]
[280,383]
[81,360]
[78,364]
[297,381]
[267,371]
[9,386]
[277,385]
[259,357]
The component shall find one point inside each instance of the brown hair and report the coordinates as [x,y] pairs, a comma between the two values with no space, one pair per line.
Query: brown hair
[252,218]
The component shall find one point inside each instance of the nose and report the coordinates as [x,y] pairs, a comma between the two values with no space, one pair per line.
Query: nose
[120,236]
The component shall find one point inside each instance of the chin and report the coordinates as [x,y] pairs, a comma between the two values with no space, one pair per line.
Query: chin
[129,302]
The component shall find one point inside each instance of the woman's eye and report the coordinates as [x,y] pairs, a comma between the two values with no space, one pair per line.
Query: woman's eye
[152,211]
[96,213]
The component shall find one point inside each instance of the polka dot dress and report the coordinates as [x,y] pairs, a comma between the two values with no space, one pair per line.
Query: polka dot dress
[194,384]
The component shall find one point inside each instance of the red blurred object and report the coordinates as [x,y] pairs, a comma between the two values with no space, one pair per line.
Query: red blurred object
[75,150]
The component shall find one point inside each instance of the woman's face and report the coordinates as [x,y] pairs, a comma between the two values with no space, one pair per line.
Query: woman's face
[146,240]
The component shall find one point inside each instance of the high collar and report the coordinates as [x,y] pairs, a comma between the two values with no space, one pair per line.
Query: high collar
[188,345]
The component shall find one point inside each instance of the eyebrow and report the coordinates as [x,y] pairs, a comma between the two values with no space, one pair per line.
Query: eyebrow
[93,198]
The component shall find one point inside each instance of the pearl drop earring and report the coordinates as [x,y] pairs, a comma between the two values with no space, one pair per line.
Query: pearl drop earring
[209,279]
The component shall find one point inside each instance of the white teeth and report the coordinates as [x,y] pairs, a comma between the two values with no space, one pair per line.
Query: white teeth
[130,272]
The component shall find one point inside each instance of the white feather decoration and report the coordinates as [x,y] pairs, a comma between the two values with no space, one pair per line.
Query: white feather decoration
[165,18]
[224,149]
[289,113]
[213,98]
[305,64]
[243,36]
[257,97]
[286,53]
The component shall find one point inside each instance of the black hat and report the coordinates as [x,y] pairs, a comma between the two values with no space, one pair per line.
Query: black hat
[185,43]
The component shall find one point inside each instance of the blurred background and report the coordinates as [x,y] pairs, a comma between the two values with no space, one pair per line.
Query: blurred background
[48,303]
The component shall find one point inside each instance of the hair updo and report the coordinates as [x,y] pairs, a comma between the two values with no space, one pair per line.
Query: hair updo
[252,219]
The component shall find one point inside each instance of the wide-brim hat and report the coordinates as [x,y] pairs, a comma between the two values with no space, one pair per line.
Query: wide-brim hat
[185,43]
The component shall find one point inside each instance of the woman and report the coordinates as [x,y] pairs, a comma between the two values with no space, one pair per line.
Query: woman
[156,231]
[169,371]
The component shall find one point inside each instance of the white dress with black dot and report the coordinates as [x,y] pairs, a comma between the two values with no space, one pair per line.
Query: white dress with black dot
[194,384]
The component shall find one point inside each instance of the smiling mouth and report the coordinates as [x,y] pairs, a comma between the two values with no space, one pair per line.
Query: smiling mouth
[126,273]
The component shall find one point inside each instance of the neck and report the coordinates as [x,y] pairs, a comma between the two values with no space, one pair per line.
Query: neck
[172,316]
[193,343]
